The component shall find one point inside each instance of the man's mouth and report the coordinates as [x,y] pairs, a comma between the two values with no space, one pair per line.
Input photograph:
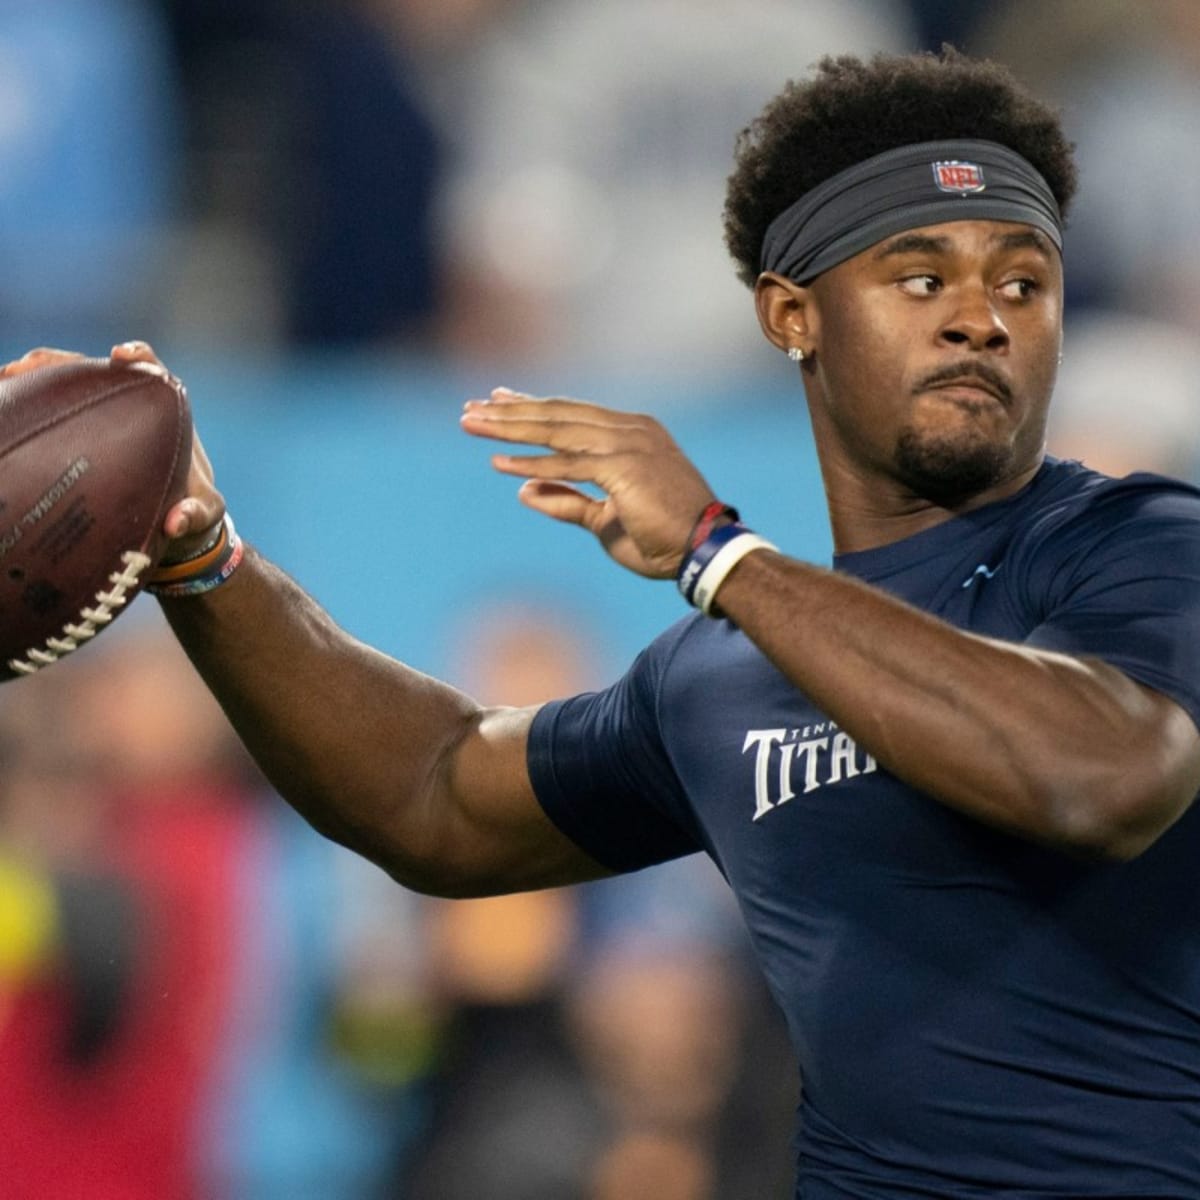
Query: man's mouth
[968,389]
[971,386]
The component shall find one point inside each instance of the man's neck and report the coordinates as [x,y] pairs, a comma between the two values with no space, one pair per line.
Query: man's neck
[868,511]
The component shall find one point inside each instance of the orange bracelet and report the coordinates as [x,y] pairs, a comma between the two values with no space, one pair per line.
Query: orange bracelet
[204,572]
[197,565]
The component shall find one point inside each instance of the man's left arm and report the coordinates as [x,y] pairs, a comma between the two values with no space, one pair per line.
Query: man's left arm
[1062,748]
[1067,750]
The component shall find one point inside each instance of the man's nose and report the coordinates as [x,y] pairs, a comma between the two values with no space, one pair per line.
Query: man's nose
[974,323]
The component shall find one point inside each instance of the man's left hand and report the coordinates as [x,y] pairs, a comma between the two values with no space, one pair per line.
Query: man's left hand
[652,492]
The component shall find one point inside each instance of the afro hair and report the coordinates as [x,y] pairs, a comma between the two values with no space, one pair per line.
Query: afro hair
[853,109]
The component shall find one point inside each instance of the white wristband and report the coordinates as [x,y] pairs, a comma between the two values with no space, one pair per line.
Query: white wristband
[721,563]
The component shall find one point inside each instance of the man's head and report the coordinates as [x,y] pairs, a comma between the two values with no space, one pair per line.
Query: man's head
[900,221]
[851,110]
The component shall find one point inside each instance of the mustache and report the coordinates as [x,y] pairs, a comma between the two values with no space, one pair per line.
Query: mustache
[958,372]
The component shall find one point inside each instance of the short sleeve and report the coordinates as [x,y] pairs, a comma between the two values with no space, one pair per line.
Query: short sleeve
[602,775]
[1127,589]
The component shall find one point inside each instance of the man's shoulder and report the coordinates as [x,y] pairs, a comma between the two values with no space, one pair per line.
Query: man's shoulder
[1070,496]
[1080,525]
[694,642]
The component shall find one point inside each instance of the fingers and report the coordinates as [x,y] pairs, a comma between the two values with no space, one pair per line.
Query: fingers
[577,467]
[48,356]
[507,405]
[652,492]
[190,524]
[564,425]
[135,351]
[561,502]
[43,356]
[193,517]
[140,354]
[194,514]
[618,447]
[557,407]
[567,504]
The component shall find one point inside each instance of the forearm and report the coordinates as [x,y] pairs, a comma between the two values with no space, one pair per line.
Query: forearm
[356,741]
[1058,749]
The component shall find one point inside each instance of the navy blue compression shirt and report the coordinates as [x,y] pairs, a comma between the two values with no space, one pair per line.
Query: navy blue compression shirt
[974,1015]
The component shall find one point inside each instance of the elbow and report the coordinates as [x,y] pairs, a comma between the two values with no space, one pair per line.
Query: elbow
[410,861]
[367,825]
[1133,783]
[1111,795]
[1102,840]
[1118,819]
[410,867]
[1107,773]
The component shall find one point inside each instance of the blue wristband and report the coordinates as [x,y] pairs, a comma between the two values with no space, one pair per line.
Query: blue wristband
[693,564]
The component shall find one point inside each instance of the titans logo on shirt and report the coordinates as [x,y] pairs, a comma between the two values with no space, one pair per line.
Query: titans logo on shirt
[791,762]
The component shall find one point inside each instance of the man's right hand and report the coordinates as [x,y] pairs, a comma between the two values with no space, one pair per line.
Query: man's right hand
[190,523]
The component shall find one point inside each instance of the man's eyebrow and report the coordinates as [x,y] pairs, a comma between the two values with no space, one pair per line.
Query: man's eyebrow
[1025,239]
[913,243]
[923,243]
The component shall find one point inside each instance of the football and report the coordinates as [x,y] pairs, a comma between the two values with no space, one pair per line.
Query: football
[93,454]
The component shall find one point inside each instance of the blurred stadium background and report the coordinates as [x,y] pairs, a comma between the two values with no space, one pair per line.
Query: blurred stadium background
[337,220]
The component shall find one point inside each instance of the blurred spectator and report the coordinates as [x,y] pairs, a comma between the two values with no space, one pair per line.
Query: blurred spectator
[599,1032]
[649,1166]
[314,170]
[659,1033]
[315,1086]
[186,995]
[679,1032]
[1128,396]
[88,137]
[953,21]
[583,223]
[515,1117]
[441,34]
[142,973]
[1128,79]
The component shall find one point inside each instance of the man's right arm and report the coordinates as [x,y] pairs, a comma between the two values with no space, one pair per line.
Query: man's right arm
[402,768]
[398,766]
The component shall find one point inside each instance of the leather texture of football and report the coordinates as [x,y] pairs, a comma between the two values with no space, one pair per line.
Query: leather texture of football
[93,454]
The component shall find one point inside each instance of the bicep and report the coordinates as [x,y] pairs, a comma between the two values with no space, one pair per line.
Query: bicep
[1132,750]
[1126,610]
[1140,671]
[489,833]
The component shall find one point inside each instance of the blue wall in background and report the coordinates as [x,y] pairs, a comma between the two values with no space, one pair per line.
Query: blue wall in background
[355,477]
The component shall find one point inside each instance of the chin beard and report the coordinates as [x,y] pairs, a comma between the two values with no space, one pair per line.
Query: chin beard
[949,472]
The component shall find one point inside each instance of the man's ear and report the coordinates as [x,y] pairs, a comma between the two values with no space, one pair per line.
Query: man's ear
[786,312]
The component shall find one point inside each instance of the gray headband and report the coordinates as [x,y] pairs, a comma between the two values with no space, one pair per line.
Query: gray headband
[903,189]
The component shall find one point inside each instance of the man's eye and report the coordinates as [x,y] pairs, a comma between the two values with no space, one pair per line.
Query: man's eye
[921,285]
[1018,289]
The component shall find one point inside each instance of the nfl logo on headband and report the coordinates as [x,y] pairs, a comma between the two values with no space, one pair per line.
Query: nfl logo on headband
[959,177]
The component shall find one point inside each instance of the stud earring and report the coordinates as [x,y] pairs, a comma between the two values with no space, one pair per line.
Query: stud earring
[795,354]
